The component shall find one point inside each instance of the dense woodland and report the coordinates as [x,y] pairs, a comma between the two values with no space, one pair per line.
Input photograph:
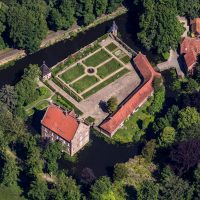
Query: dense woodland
[168,165]
[25,23]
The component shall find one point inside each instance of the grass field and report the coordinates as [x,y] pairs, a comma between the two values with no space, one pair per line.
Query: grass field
[73,73]
[106,82]
[97,58]
[111,46]
[108,68]
[126,59]
[84,83]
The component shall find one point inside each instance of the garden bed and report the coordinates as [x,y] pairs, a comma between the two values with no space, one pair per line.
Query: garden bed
[126,59]
[84,83]
[111,46]
[66,89]
[105,83]
[73,73]
[97,58]
[108,68]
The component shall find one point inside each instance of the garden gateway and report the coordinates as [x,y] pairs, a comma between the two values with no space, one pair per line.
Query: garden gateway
[99,71]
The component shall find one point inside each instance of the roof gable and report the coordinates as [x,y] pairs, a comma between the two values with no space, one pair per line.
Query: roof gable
[60,122]
[111,124]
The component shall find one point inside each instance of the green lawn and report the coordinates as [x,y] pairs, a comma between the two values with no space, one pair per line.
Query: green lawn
[84,83]
[126,59]
[73,73]
[97,58]
[111,46]
[106,82]
[7,193]
[108,68]
[135,126]
[66,89]
[47,94]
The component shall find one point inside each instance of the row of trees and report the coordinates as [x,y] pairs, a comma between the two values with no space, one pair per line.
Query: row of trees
[160,29]
[24,24]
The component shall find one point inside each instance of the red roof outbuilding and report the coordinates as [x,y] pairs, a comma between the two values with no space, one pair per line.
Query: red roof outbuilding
[135,99]
[190,48]
[60,122]
[195,25]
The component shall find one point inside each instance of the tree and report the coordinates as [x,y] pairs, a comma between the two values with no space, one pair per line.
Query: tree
[26,27]
[190,86]
[87,176]
[26,87]
[112,104]
[167,137]
[67,9]
[10,172]
[188,117]
[173,187]
[88,15]
[136,171]
[51,154]
[3,10]
[190,9]
[102,190]
[34,162]
[185,155]
[159,26]
[197,183]
[62,16]
[158,100]
[8,96]
[190,133]
[65,188]
[38,190]
[149,191]
[113,5]
[149,150]
[100,7]
[120,172]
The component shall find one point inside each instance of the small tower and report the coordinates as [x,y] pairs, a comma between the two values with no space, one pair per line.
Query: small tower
[46,74]
[114,29]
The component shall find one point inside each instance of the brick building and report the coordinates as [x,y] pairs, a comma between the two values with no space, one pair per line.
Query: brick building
[190,49]
[195,26]
[136,99]
[46,73]
[58,124]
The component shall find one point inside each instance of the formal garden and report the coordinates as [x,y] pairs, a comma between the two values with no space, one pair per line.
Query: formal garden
[92,68]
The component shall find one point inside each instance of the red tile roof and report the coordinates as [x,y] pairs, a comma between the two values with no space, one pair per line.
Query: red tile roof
[190,47]
[195,25]
[61,123]
[112,123]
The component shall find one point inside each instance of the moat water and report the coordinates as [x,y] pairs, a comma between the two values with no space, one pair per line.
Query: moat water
[99,155]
